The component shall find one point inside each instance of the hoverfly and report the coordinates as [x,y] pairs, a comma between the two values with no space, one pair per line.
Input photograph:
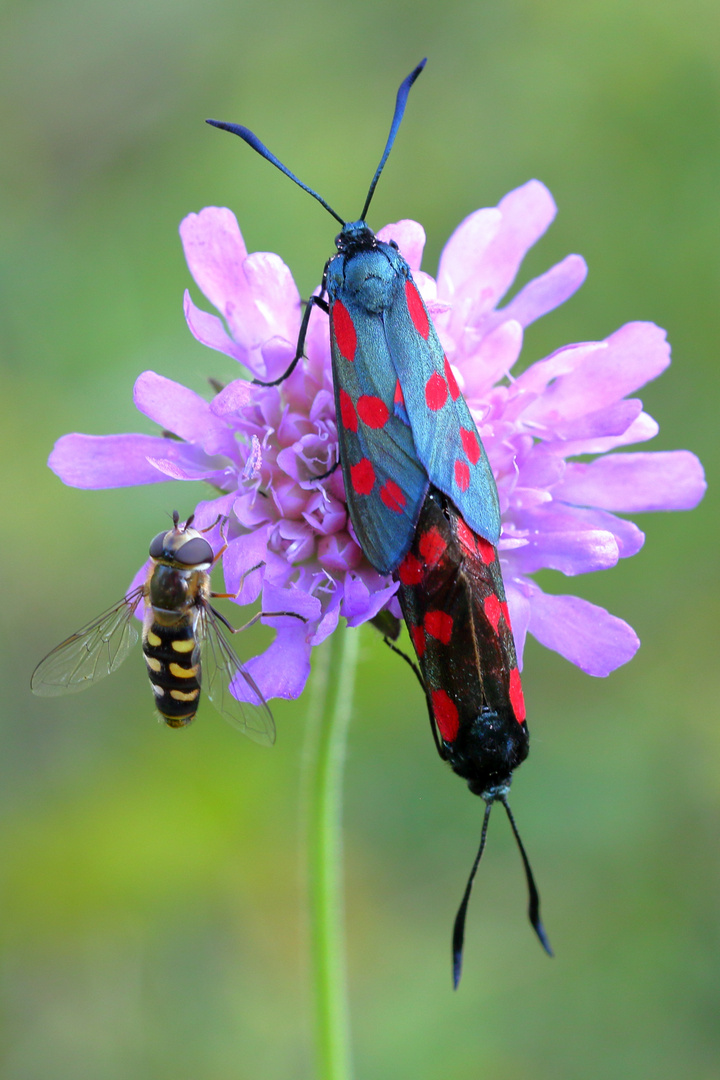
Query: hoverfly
[181,639]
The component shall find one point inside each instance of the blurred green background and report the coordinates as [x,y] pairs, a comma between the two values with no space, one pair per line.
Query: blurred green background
[152,922]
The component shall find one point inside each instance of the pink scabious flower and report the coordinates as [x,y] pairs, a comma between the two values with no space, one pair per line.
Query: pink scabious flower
[290,544]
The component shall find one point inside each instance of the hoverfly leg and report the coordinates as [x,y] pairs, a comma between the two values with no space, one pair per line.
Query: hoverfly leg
[254,619]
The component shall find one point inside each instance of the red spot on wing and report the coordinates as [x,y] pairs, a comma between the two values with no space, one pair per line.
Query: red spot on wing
[432,546]
[347,412]
[362,477]
[471,445]
[410,570]
[436,391]
[467,537]
[439,624]
[393,496]
[418,314]
[516,696]
[493,610]
[486,551]
[399,398]
[372,411]
[506,613]
[451,381]
[345,335]
[446,715]
[418,637]
[462,475]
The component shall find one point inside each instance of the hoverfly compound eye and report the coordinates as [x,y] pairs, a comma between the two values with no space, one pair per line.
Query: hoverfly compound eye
[157,547]
[194,552]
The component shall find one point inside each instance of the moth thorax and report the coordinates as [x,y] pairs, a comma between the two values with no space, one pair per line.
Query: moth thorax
[370,277]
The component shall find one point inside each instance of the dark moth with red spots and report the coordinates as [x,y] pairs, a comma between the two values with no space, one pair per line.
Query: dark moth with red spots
[423,501]
[453,600]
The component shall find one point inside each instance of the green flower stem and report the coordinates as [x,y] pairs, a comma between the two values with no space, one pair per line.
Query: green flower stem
[330,711]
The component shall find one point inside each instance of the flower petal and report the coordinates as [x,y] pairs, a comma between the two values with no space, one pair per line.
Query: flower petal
[484,253]
[180,410]
[283,669]
[665,480]
[556,516]
[290,603]
[464,253]
[570,552]
[110,461]
[244,565]
[632,356]
[583,633]
[209,330]
[360,603]
[519,608]
[641,429]
[496,356]
[544,293]
[215,252]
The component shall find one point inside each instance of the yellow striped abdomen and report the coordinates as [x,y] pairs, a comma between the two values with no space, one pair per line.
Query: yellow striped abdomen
[172,655]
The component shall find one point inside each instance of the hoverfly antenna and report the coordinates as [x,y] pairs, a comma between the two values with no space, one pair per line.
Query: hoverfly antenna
[400,103]
[252,140]
[534,896]
[176,518]
[189,522]
[459,927]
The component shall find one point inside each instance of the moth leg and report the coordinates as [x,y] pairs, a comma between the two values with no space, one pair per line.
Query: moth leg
[418,675]
[314,301]
[328,472]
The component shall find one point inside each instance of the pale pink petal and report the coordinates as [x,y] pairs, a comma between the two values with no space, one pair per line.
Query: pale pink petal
[176,408]
[641,429]
[552,517]
[283,669]
[583,633]
[232,399]
[544,293]
[629,358]
[496,356]
[519,608]
[275,301]
[244,565]
[571,552]
[665,480]
[215,252]
[464,254]
[410,238]
[110,461]
[210,330]
[612,420]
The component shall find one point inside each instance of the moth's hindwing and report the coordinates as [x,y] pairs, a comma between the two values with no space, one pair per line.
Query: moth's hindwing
[453,600]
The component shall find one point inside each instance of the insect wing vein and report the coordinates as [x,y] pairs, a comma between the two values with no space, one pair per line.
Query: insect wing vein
[94,651]
[222,671]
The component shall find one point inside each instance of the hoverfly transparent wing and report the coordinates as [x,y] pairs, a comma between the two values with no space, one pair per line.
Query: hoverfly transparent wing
[93,652]
[222,671]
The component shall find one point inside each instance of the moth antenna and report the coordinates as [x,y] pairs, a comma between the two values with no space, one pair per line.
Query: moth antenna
[252,140]
[400,103]
[534,896]
[459,927]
